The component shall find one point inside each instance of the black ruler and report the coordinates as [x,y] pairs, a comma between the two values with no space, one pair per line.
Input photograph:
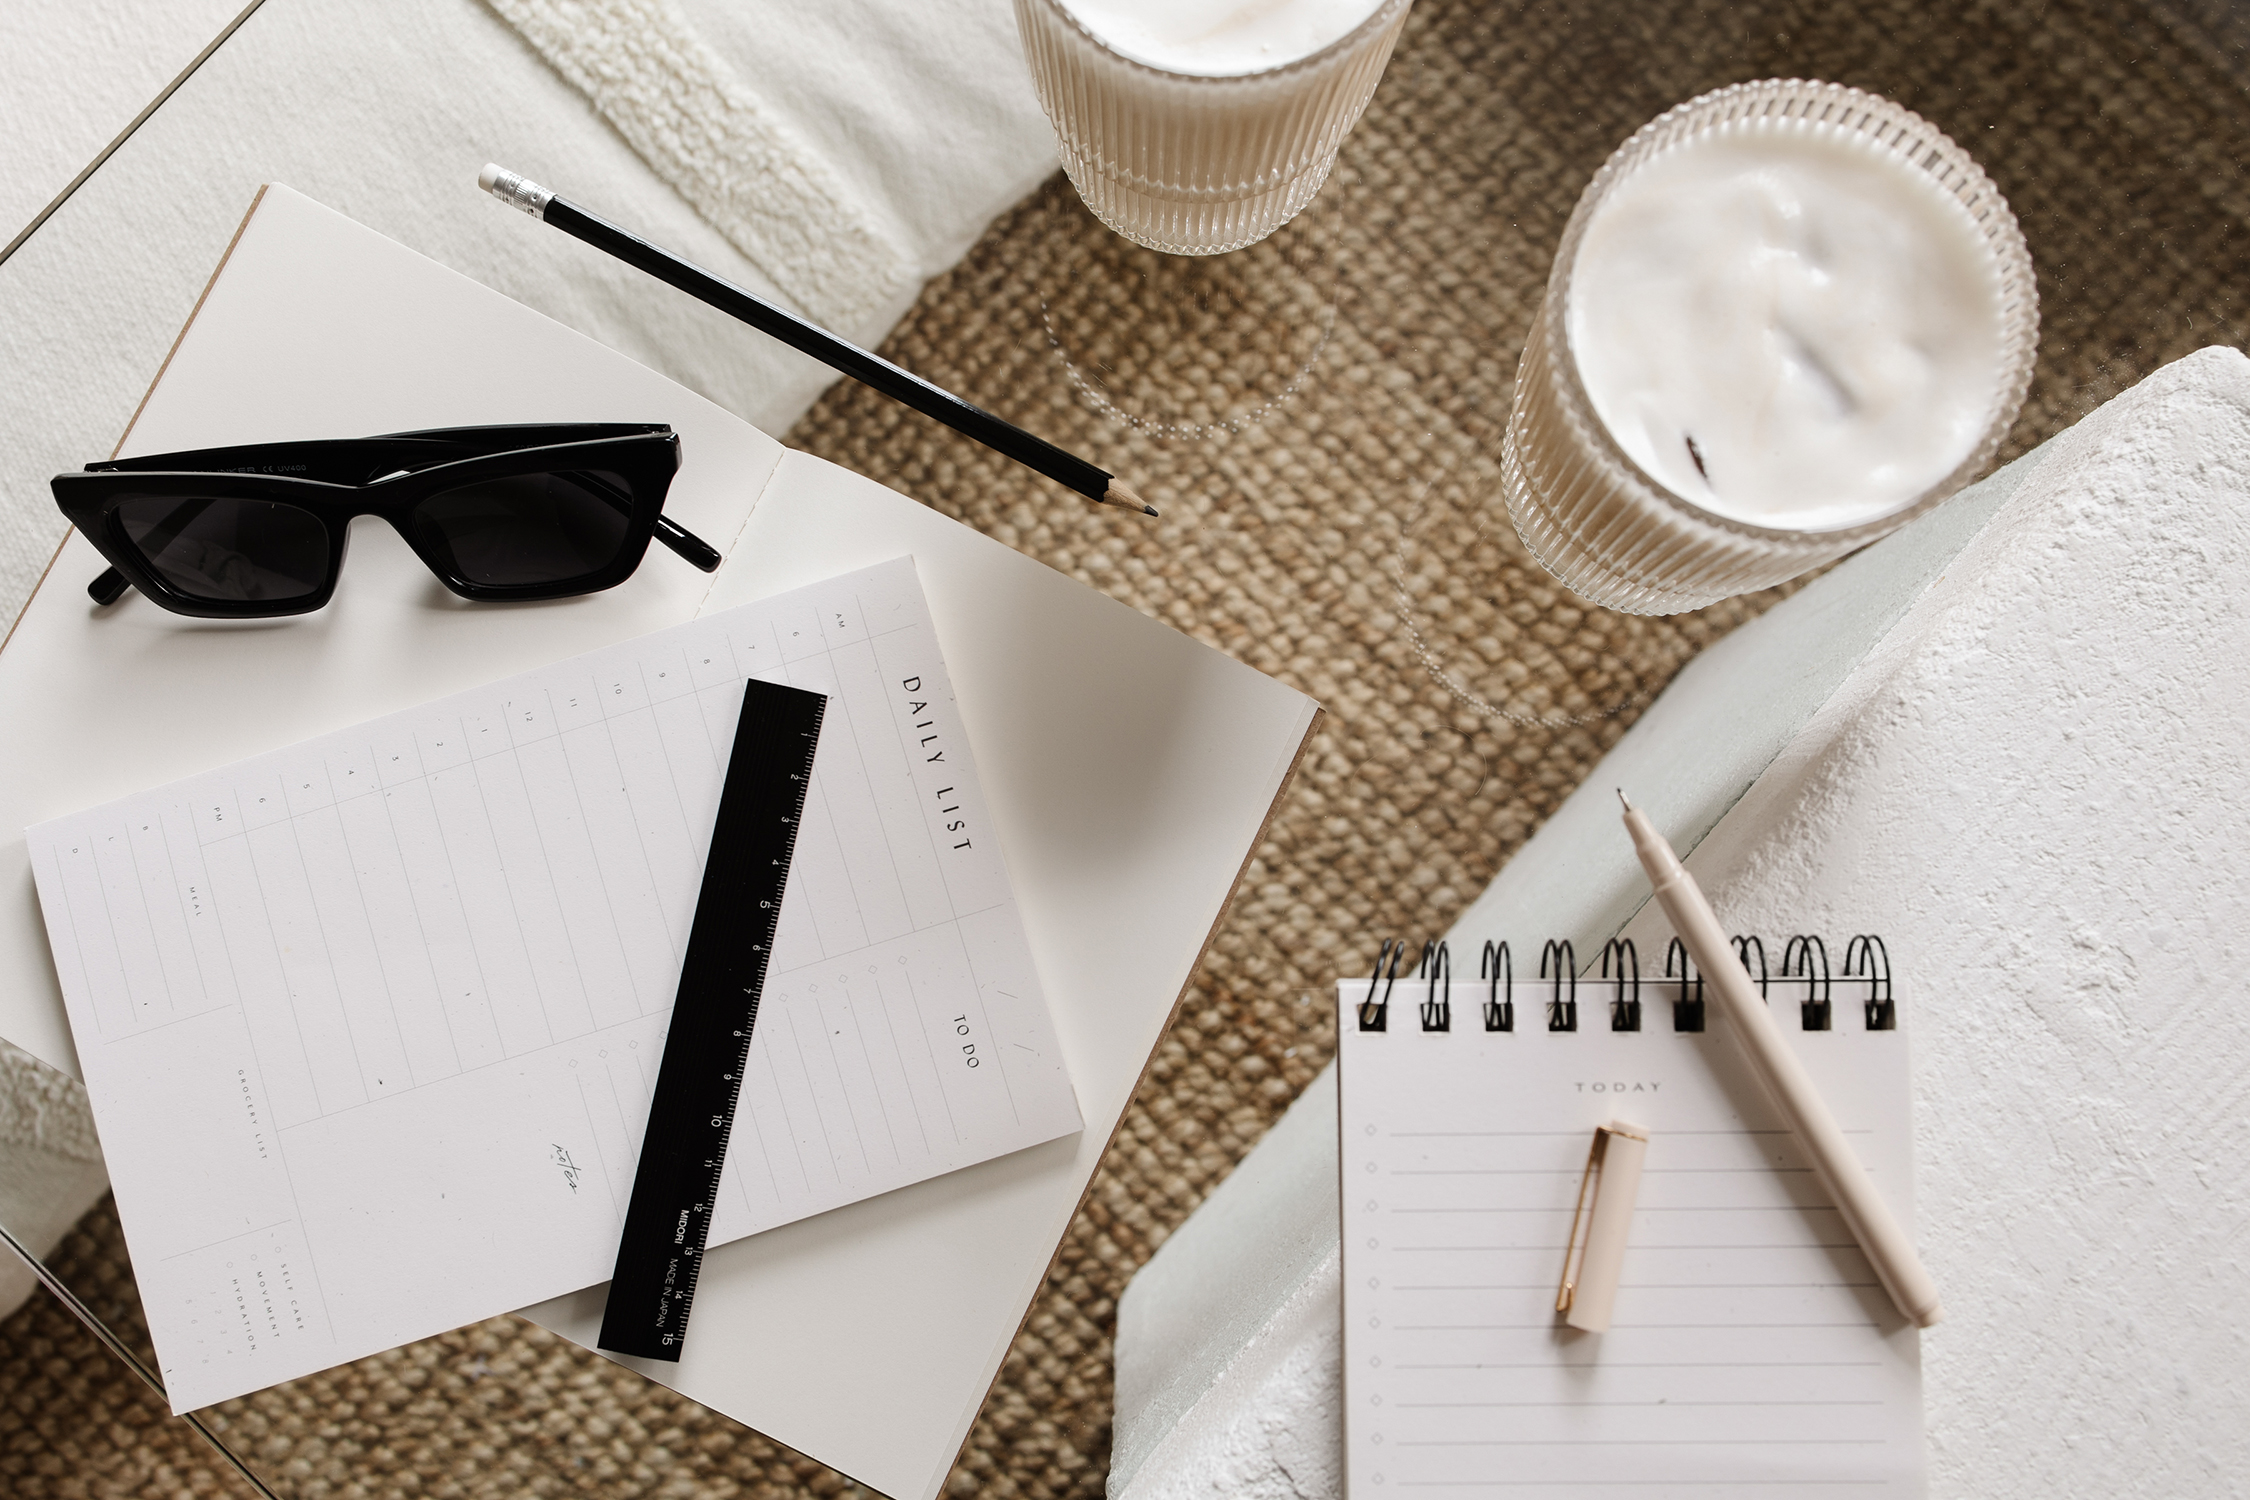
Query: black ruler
[700,1080]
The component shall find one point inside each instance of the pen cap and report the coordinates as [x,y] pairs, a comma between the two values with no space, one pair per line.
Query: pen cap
[1621,1151]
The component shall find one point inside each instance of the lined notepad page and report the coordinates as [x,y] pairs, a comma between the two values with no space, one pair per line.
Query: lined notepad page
[371,1024]
[1753,1352]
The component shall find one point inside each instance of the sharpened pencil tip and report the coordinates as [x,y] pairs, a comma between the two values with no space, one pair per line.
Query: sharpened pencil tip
[1119,493]
[1624,799]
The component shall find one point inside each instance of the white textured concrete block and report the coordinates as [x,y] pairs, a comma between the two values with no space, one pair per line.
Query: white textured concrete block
[2012,739]
[1228,1347]
[2038,787]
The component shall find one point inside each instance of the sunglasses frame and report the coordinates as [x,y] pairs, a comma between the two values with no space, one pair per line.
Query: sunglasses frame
[335,480]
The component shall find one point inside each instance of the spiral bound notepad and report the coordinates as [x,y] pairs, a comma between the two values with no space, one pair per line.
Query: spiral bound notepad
[1753,1351]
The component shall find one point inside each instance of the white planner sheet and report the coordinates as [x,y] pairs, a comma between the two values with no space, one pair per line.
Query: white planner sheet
[1752,1352]
[370,1024]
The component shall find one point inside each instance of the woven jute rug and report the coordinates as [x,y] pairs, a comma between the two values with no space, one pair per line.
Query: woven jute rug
[1319,419]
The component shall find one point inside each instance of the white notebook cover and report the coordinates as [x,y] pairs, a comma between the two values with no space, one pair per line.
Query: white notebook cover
[1752,1352]
[1130,771]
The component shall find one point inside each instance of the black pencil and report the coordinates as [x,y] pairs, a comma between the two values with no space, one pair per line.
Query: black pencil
[873,370]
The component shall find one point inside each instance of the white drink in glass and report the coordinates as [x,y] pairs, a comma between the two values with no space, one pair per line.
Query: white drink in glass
[1784,319]
[1198,129]
[1219,38]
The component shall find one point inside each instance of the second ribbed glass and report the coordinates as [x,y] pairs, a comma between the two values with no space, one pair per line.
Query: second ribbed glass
[1610,530]
[1197,164]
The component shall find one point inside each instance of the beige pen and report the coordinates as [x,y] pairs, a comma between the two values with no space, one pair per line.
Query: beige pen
[1786,1082]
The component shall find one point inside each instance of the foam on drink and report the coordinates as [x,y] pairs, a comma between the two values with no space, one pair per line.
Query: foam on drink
[1788,324]
[1219,38]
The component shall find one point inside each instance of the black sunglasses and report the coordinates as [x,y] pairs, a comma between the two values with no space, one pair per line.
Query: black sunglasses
[498,513]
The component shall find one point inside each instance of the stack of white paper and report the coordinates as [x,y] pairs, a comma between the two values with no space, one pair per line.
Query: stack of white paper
[371,1024]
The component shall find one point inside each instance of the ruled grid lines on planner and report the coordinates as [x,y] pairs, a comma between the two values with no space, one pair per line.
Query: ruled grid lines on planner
[1752,1348]
[348,1007]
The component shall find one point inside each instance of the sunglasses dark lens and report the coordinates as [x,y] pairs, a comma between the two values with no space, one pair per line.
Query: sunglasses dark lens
[528,529]
[219,548]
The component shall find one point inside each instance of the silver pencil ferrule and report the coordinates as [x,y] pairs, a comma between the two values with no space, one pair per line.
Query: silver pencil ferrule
[516,191]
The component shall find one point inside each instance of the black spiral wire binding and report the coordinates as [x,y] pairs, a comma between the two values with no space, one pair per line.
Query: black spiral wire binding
[1436,968]
[1805,958]
[1625,1004]
[1687,1005]
[1374,1014]
[1562,1014]
[1865,956]
[1500,995]
[1814,1010]
[1743,948]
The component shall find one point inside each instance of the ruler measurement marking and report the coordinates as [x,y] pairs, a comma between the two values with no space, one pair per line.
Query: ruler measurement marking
[677,1182]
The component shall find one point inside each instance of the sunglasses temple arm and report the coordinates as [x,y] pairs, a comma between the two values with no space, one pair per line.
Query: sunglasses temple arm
[110,586]
[668,531]
[690,546]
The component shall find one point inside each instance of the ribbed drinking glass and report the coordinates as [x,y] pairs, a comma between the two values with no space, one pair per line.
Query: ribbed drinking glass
[1195,163]
[1597,519]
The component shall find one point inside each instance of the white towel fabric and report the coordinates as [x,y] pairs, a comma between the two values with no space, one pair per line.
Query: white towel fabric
[50,1163]
[830,154]
[704,130]
[73,73]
